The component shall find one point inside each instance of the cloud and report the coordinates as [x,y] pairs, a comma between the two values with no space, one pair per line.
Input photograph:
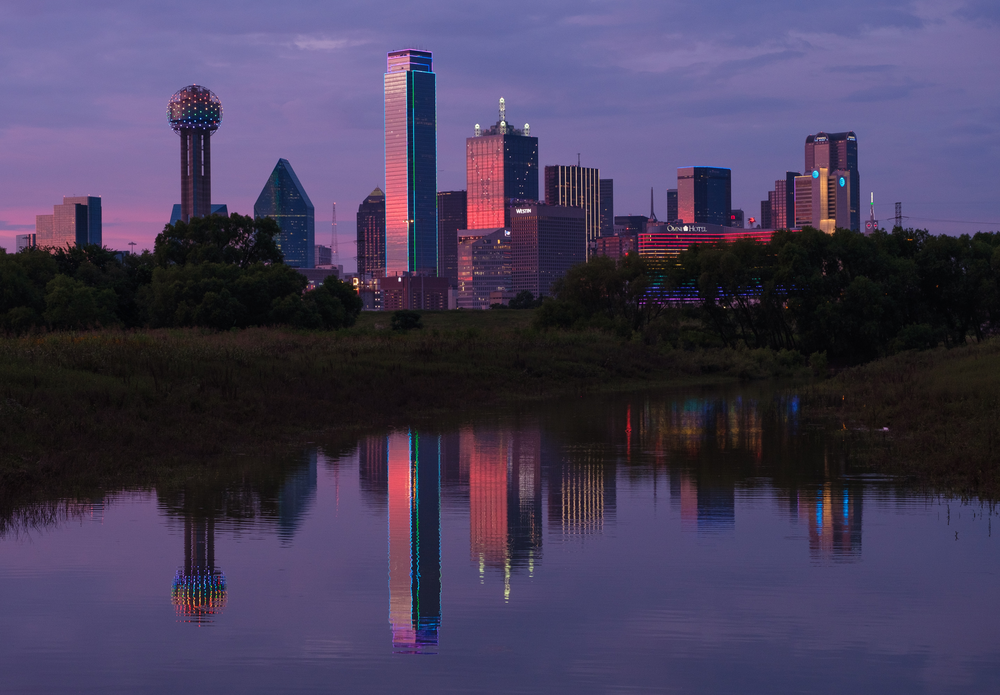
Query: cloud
[324,43]
[8,227]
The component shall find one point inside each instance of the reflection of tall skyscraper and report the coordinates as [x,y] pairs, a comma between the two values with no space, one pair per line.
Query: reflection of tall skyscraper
[372,471]
[199,590]
[833,514]
[581,495]
[414,482]
[295,497]
[410,164]
[505,497]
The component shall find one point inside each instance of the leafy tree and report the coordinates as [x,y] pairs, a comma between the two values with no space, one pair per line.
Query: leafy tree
[237,240]
[525,300]
[71,303]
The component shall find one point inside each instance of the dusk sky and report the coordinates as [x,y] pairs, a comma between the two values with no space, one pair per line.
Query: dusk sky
[637,88]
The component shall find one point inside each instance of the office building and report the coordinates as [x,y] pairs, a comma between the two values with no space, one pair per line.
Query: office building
[782,201]
[765,211]
[411,229]
[671,205]
[77,222]
[484,271]
[630,225]
[823,200]
[413,292]
[616,246]
[607,207]
[323,255]
[501,166]
[704,195]
[451,218]
[371,235]
[26,241]
[736,219]
[579,187]
[284,200]
[546,241]
[838,152]
[195,113]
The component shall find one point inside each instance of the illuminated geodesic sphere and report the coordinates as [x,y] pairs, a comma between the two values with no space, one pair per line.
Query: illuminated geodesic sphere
[198,596]
[194,108]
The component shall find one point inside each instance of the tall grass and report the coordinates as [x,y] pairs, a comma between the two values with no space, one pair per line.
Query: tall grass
[102,404]
[933,416]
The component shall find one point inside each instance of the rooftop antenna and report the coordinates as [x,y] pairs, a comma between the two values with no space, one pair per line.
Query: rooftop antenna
[578,159]
[478,131]
[527,130]
[652,215]
[503,111]
[334,251]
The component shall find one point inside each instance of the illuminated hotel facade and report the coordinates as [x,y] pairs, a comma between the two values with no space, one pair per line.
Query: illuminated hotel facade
[411,229]
[501,166]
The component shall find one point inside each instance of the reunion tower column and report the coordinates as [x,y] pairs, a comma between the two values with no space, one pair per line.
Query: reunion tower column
[195,113]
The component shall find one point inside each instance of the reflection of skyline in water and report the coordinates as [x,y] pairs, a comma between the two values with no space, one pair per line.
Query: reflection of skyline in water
[414,491]
[199,590]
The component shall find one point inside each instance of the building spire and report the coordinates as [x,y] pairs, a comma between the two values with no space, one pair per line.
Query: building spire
[652,215]
[503,110]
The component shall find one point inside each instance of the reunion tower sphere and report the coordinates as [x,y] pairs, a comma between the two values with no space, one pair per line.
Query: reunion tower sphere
[194,108]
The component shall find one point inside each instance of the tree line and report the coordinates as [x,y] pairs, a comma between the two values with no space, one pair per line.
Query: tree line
[218,272]
[851,296]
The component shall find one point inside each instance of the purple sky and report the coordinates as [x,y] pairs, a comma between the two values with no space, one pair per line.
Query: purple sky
[638,88]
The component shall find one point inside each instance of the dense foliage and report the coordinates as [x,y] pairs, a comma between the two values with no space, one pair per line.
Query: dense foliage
[217,272]
[851,296]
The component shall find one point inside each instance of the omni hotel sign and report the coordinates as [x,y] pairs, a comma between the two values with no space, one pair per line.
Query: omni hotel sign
[685,228]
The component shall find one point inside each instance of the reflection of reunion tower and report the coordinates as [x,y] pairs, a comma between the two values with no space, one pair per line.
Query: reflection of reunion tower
[199,590]
[195,113]
[414,482]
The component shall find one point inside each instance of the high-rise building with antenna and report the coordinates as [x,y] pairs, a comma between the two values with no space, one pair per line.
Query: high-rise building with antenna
[501,166]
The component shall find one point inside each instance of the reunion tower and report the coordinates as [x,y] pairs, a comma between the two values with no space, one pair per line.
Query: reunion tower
[195,113]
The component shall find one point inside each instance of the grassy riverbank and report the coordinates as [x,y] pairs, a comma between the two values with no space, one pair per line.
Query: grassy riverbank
[116,407]
[933,416]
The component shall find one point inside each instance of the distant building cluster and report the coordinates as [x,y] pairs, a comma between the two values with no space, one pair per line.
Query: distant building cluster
[421,248]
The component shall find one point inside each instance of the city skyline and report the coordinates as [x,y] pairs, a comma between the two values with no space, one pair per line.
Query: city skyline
[306,88]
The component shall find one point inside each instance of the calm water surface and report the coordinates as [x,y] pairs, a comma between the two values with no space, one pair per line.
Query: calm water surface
[682,542]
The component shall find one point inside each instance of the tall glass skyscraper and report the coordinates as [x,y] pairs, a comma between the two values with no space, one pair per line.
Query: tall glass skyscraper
[838,151]
[285,200]
[371,234]
[410,163]
[704,194]
[578,187]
